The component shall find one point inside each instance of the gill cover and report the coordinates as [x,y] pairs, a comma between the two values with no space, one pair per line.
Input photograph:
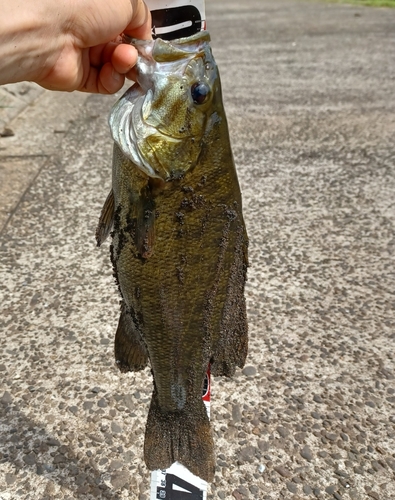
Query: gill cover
[160,122]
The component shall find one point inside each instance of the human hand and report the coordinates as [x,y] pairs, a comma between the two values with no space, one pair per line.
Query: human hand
[75,46]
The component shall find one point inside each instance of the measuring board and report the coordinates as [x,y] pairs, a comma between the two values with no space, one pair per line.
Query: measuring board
[177,482]
[170,20]
[176,18]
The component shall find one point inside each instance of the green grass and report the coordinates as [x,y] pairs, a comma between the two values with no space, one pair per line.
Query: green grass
[369,3]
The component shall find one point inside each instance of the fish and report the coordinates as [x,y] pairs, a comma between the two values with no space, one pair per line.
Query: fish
[179,243]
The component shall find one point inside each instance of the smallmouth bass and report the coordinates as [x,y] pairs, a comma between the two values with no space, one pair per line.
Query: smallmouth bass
[179,243]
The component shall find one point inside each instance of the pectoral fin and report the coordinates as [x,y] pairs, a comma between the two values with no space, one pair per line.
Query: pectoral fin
[145,224]
[106,219]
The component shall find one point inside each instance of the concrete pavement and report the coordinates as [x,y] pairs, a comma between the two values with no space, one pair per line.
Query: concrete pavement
[309,93]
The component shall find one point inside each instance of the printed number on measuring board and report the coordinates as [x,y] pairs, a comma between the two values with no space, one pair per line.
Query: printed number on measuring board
[175,488]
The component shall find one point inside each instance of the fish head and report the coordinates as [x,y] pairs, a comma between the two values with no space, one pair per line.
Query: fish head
[160,123]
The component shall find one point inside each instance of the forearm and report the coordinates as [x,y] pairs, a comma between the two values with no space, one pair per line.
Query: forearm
[31,35]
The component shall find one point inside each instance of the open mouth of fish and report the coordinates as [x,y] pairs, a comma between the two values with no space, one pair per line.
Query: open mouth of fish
[129,117]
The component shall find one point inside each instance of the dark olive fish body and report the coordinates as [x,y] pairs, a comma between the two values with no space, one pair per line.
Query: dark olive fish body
[179,246]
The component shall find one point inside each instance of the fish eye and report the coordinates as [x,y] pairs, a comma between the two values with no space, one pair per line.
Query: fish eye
[199,92]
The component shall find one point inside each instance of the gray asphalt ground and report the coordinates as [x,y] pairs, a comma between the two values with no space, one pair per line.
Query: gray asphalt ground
[310,96]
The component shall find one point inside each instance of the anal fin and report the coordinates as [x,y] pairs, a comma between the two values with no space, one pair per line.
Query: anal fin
[130,351]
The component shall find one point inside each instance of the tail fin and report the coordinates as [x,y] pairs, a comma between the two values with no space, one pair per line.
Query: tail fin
[184,436]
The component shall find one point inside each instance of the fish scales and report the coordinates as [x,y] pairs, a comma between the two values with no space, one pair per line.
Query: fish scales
[179,244]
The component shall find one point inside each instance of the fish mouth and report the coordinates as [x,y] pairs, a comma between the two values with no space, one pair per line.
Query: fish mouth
[128,119]
[165,50]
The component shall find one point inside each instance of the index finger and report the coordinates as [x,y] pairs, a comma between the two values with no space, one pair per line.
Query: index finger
[140,26]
